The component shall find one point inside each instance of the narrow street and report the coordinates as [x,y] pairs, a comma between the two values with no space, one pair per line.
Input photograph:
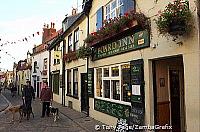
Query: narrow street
[72,121]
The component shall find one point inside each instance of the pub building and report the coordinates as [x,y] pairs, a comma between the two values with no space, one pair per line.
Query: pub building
[137,75]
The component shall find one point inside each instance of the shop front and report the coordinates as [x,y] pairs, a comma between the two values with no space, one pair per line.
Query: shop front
[118,80]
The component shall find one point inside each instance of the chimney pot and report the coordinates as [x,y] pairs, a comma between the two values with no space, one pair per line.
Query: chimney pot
[74,11]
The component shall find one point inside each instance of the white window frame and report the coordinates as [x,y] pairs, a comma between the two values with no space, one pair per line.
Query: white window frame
[76,39]
[110,78]
[116,9]
[70,42]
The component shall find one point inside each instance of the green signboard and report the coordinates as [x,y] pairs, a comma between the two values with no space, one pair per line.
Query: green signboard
[90,82]
[132,42]
[113,109]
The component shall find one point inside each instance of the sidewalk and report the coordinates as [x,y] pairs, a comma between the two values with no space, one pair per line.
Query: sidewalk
[87,123]
[3,103]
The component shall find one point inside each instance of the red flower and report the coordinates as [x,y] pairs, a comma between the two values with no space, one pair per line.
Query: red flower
[126,14]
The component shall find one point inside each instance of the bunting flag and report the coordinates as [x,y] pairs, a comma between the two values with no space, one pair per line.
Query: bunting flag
[20,40]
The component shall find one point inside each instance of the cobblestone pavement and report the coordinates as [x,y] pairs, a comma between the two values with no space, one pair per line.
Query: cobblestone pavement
[70,120]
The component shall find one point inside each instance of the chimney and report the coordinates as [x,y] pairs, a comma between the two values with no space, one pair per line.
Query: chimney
[74,11]
[48,32]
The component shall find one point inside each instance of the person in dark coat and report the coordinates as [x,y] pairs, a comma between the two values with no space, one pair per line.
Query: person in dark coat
[27,95]
[46,96]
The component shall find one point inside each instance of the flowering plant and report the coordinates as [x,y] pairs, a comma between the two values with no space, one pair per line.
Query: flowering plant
[175,19]
[84,52]
[118,24]
[70,56]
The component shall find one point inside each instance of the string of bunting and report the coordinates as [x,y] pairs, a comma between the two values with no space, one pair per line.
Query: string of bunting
[25,39]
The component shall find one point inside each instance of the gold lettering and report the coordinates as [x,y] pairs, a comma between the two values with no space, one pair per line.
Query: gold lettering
[109,47]
[124,42]
[99,50]
[131,39]
[105,49]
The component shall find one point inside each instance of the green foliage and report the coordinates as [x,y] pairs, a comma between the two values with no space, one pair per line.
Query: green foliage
[174,13]
[84,52]
[118,24]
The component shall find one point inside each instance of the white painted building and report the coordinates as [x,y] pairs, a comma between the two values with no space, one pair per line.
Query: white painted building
[39,67]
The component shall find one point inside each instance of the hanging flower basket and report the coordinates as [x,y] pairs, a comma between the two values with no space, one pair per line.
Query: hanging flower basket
[177,28]
[84,52]
[175,20]
[70,56]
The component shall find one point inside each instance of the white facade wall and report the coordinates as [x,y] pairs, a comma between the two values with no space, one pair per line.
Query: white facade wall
[37,76]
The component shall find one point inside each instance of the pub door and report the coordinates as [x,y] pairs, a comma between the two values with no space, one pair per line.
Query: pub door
[169,93]
[84,94]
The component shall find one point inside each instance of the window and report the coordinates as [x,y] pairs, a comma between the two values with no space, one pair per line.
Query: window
[115,71]
[99,82]
[114,9]
[106,85]
[75,82]
[106,72]
[35,65]
[58,61]
[54,61]
[99,18]
[69,89]
[45,64]
[76,39]
[126,86]
[113,82]
[118,7]
[70,43]
[22,74]
[116,89]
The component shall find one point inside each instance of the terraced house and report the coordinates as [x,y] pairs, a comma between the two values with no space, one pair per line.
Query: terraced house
[141,67]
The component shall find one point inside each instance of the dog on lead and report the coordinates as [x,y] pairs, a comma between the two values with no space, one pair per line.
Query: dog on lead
[21,109]
[14,110]
[54,112]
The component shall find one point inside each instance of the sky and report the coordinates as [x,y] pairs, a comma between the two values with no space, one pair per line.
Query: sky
[20,19]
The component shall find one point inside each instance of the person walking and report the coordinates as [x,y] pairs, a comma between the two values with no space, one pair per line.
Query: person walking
[46,97]
[27,95]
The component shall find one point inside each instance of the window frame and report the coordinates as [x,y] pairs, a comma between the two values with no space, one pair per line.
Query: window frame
[75,82]
[70,43]
[115,9]
[69,82]
[76,39]
[110,78]
[45,67]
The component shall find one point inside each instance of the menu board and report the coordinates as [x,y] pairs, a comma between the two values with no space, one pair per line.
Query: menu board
[137,81]
[136,115]
[90,82]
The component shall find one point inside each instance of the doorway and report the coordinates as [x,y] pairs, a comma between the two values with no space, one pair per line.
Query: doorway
[169,93]
[84,95]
